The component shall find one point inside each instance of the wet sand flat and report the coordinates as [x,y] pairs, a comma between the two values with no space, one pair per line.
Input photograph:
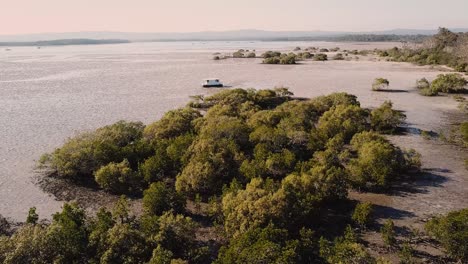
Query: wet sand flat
[49,95]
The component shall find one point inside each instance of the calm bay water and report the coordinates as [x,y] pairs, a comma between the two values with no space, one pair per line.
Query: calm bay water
[52,93]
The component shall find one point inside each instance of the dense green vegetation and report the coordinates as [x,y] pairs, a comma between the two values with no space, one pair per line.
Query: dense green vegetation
[444,83]
[444,48]
[321,57]
[244,54]
[452,232]
[273,57]
[270,167]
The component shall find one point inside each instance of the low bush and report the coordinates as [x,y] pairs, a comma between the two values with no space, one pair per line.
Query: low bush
[376,165]
[464,131]
[380,84]
[238,54]
[362,214]
[449,83]
[80,157]
[271,60]
[159,198]
[451,231]
[423,84]
[385,119]
[306,55]
[321,57]
[271,54]
[388,233]
[338,56]
[118,178]
[251,55]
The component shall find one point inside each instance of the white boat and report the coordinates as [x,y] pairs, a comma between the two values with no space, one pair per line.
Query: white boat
[212,82]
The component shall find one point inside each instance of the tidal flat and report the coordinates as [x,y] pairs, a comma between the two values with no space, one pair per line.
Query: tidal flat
[51,94]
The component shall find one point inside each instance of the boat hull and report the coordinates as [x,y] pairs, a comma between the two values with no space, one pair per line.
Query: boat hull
[212,85]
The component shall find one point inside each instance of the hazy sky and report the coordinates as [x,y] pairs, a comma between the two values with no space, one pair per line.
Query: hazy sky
[38,16]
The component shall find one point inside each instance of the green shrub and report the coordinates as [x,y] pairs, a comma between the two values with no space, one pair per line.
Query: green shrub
[375,166]
[380,84]
[449,83]
[406,254]
[173,124]
[388,233]
[251,55]
[159,198]
[343,120]
[321,57]
[362,214]
[118,178]
[451,231]
[344,251]
[423,84]
[271,60]
[386,120]
[32,216]
[80,157]
[464,131]
[307,55]
[338,56]
[288,59]
[238,54]
[268,245]
[271,54]
[428,92]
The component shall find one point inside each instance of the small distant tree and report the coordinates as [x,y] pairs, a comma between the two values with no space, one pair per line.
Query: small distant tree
[380,84]
[238,54]
[321,57]
[423,84]
[464,131]
[406,254]
[32,216]
[251,55]
[271,60]
[338,56]
[307,55]
[362,214]
[288,59]
[385,119]
[388,233]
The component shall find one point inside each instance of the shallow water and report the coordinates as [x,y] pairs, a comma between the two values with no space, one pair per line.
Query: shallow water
[52,93]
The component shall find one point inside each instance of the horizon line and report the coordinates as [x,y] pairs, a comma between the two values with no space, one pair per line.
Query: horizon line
[227,30]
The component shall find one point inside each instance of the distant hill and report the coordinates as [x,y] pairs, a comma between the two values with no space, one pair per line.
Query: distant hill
[211,35]
[64,42]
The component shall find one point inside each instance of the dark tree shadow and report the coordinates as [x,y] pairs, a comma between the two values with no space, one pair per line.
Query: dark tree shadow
[408,130]
[391,91]
[386,212]
[420,182]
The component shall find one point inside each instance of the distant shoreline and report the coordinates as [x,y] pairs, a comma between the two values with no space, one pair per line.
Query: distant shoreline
[64,42]
[344,38]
